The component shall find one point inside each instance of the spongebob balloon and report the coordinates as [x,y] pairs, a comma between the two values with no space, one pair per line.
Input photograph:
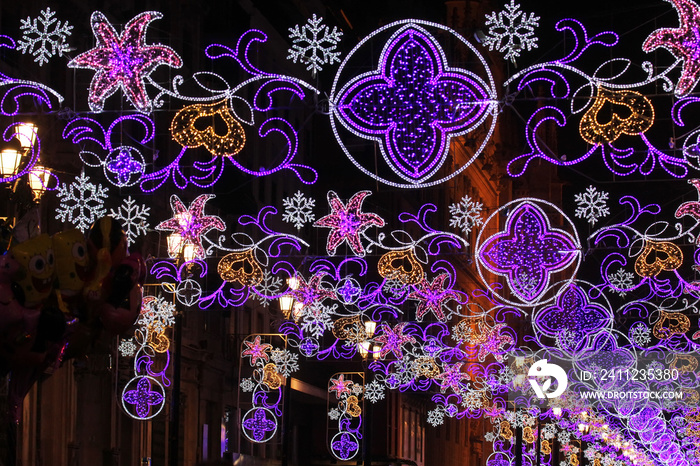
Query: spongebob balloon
[72,262]
[35,276]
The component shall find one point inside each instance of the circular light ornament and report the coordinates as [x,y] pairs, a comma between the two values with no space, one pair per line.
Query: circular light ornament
[259,425]
[529,252]
[411,103]
[143,397]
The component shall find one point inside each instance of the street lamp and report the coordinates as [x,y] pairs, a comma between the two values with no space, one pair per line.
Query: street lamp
[9,162]
[26,134]
[178,247]
[38,179]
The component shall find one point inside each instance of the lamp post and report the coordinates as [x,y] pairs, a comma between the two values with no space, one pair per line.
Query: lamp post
[179,250]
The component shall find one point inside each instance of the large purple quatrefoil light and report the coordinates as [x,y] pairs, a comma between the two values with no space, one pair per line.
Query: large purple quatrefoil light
[528,251]
[413,104]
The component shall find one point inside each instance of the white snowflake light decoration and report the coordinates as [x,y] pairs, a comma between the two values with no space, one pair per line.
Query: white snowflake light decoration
[314,44]
[133,218]
[436,417]
[592,205]
[41,40]
[267,289]
[472,400]
[82,202]
[334,414]
[621,281]
[511,31]
[127,348]
[285,361]
[466,214]
[641,335]
[374,391]
[247,385]
[298,210]
[157,313]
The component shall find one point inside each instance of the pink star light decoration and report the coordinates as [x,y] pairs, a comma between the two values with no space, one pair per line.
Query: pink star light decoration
[123,61]
[393,339]
[492,343]
[683,42]
[347,222]
[308,293]
[256,350]
[190,224]
[340,386]
[691,208]
[432,297]
[452,377]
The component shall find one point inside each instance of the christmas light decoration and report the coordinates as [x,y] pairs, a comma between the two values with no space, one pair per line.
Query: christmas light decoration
[123,61]
[664,255]
[314,44]
[670,324]
[682,42]
[41,40]
[298,210]
[191,224]
[143,397]
[187,134]
[639,119]
[432,297]
[123,166]
[392,339]
[528,251]
[592,205]
[256,350]
[381,104]
[146,399]
[413,103]
[133,218]
[511,31]
[401,265]
[466,214]
[347,222]
[348,388]
[259,425]
[241,267]
[691,208]
[574,313]
[82,202]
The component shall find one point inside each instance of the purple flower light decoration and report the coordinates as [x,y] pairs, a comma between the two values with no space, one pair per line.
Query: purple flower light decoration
[413,104]
[574,313]
[123,61]
[528,251]
[123,165]
[346,446]
[143,398]
[258,425]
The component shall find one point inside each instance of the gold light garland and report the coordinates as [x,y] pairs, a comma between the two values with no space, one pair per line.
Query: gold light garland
[640,118]
[667,256]
[184,129]
[401,265]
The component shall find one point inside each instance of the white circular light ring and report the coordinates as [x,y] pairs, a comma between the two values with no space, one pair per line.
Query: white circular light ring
[492,111]
[551,291]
